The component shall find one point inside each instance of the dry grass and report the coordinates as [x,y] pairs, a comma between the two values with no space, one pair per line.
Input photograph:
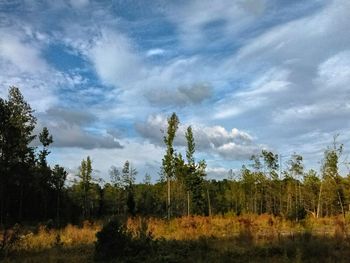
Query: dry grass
[221,233]
[70,236]
[262,227]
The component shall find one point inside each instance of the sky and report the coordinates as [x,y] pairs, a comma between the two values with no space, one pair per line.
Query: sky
[247,75]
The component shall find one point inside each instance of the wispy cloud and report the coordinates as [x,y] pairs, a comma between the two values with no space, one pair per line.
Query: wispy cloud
[103,76]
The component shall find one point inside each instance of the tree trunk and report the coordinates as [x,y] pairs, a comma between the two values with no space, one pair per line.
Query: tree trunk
[169,199]
[20,207]
[188,203]
[58,209]
[341,204]
[209,205]
[319,201]
[2,205]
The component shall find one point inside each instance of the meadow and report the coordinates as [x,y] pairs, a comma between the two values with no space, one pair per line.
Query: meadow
[247,238]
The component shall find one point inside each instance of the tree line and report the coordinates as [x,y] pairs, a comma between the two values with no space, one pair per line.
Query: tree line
[33,191]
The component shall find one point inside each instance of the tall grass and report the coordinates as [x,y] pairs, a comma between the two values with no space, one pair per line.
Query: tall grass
[247,236]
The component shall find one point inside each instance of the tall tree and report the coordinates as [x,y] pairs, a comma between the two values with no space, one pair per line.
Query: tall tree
[46,139]
[191,146]
[18,154]
[190,160]
[44,171]
[85,174]
[193,175]
[331,187]
[117,183]
[296,169]
[169,160]
[4,155]
[59,176]
[128,177]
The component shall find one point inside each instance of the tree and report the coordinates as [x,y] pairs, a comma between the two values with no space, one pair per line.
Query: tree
[191,146]
[191,174]
[190,160]
[147,180]
[128,177]
[85,174]
[169,160]
[116,179]
[44,171]
[45,139]
[331,186]
[311,191]
[4,154]
[117,182]
[296,169]
[59,176]
[17,155]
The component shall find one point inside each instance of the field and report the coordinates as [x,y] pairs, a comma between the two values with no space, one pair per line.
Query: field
[248,238]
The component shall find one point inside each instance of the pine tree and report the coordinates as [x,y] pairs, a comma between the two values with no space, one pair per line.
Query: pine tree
[59,176]
[17,154]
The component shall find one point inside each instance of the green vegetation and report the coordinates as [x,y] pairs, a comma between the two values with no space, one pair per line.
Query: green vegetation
[32,192]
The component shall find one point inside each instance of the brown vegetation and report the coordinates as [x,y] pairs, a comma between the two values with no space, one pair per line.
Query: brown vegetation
[222,235]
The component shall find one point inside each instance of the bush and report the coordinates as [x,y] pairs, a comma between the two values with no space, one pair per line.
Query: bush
[9,240]
[113,241]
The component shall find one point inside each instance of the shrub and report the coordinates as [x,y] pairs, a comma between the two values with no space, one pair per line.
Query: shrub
[9,240]
[113,241]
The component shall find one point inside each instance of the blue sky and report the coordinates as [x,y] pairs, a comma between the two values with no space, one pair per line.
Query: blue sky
[247,75]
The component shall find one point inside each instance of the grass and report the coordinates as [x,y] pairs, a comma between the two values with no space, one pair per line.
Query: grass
[248,238]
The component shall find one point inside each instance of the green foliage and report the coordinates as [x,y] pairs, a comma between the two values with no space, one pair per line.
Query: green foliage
[168,160]
[85,175]
[190,145]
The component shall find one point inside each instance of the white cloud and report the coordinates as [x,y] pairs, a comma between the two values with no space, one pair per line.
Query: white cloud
[272,81]
[115,60]
[23,55]
[334,73]
[231,144]
[155,52]
[195,18]
[261,91]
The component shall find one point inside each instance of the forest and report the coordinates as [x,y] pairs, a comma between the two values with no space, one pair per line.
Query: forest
[35,193]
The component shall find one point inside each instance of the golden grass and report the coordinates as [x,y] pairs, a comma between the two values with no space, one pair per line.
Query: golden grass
[260,226]
[70,236]
[76,244]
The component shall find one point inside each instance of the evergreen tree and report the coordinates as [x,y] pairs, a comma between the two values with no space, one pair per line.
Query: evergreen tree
[59,176]
[44,171]
[17,156]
